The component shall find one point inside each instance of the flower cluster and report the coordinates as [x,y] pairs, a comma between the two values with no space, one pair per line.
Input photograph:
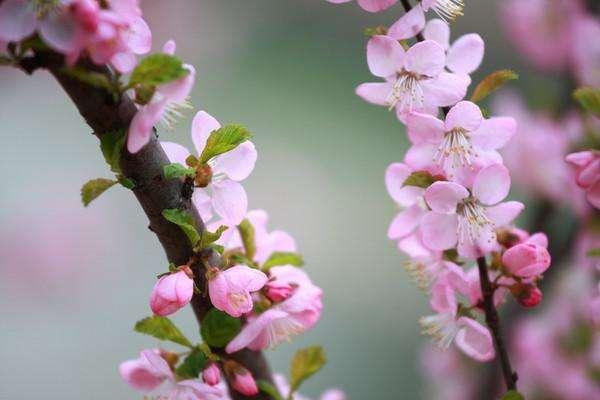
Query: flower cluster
[452,183]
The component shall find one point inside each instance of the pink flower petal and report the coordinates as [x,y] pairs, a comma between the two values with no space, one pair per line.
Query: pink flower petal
[375,93]
[179,90]
[60,31]
[439,231]
[408,25]
[466,115]
[376,5]
[425,58]
[142,124]
[17,20]
[202,126]
[124,62]
[424,128]
[438,31]
[443,196]
[384,56]
[465,54]
[395,175]
[491,184]
[230,201]
[253,329]
[504,213]
[238,163]
[139,36]
[250,279]
[158,364]
[405,222]
[494,133]
[475,340]
[175,152]
[446,89]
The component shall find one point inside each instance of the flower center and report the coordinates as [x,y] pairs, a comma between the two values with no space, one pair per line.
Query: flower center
[174,112]
[236,299]
[441,327]
[455,149]
[407,91]
[471,220]
[448,9]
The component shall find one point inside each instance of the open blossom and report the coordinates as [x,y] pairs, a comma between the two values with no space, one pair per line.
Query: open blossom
[223,193]
[468,217]
[447,326]
[462,139]
[587,169]
[71,27]
[283,387]
[369,5]
[294,315]
[230,289]
[151,374]
[415,79]
[171,293]
[163,105]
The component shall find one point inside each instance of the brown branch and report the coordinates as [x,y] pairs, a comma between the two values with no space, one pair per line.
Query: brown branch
[493,322]
[154,193]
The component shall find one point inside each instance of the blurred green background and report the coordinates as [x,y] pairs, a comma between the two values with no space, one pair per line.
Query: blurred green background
[285,69]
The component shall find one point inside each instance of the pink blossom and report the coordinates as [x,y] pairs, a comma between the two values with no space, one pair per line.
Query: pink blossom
[296,314]
[448,374]
[241,380]
[527,260]
[462,139]
[230,289]
[447,327]
[211,375]
[586,53]
[415,79]
[171,293]
[283,387]
[413,23]
[369,5]
[468,217]
[223,194]
[587,170]
[152,364]
[164,103]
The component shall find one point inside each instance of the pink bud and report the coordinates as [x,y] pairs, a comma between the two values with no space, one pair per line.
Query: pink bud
[279,291]
[171,293]
[86,12]
[140,375]
[526,260]
[528,295]
[243,381]
[211,374]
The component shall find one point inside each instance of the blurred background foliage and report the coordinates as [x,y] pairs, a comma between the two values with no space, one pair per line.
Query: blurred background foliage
[73,281]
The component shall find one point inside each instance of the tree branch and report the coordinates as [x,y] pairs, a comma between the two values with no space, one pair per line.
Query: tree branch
[104,114]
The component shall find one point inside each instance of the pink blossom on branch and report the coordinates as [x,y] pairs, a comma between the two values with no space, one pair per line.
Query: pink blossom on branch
[230,289]
[171,293]
[587,170]
[369,5]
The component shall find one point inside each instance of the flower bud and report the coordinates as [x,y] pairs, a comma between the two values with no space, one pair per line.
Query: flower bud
[211,375]
[527,295]
[526,260]
[171,293]
[278,291]
[203,175]
[241,379]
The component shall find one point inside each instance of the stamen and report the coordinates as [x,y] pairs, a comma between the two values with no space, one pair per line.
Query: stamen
[174,112]
[441,327]
[448,10]
[45,7]
[455,148]
[472,219]
[407,91]
[418,274]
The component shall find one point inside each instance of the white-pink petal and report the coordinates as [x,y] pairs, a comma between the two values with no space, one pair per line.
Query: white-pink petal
[494,133]
[446,89]
[375,92]
[439,31]
[17,20]
[408,25]
[439,231]
[475,340]
[465,115]
[384,56]
[230,201]
[443,196]
[425,58]
[504,213]
[491,184]
[203,125]
[424,128]
[175,152]
[405,222]
[238,163]
[465,54]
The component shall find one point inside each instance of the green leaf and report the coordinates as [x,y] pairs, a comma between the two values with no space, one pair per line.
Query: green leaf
[513,395]
[185,221]
[162,328]
[94,188]
[208,238]
[223,140]
[422,179]
[269,389]
[111,144]
[176,170]
[491,83]
[192,365]
[306,363]
[247,233]
[589,98]
[157,69]
[91,78]
[283,258]
[126,182]
[218,328]
[594,252]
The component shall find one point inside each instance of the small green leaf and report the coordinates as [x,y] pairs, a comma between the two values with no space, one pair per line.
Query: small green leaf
[422,179]
[185,221]
[269,389]
[192,365]
[223,140]
[513,395]
[589,98]
[95,79]
[126,182]
[162,328]
[491,83]
[594,252]
[157,69]
[283,258]
[176,170]
[111,144]
[208,238]
[374,31]
[247,233]
[218,328]
[306,362]
[94,188]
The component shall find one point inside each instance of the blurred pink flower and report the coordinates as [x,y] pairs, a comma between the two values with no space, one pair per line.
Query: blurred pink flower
[587,169]
[283,387]
[369,5]
[528,259]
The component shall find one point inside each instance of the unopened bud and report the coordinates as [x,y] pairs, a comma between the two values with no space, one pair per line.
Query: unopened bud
[211,375]
[203,175]
[278,291]
[527,295]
